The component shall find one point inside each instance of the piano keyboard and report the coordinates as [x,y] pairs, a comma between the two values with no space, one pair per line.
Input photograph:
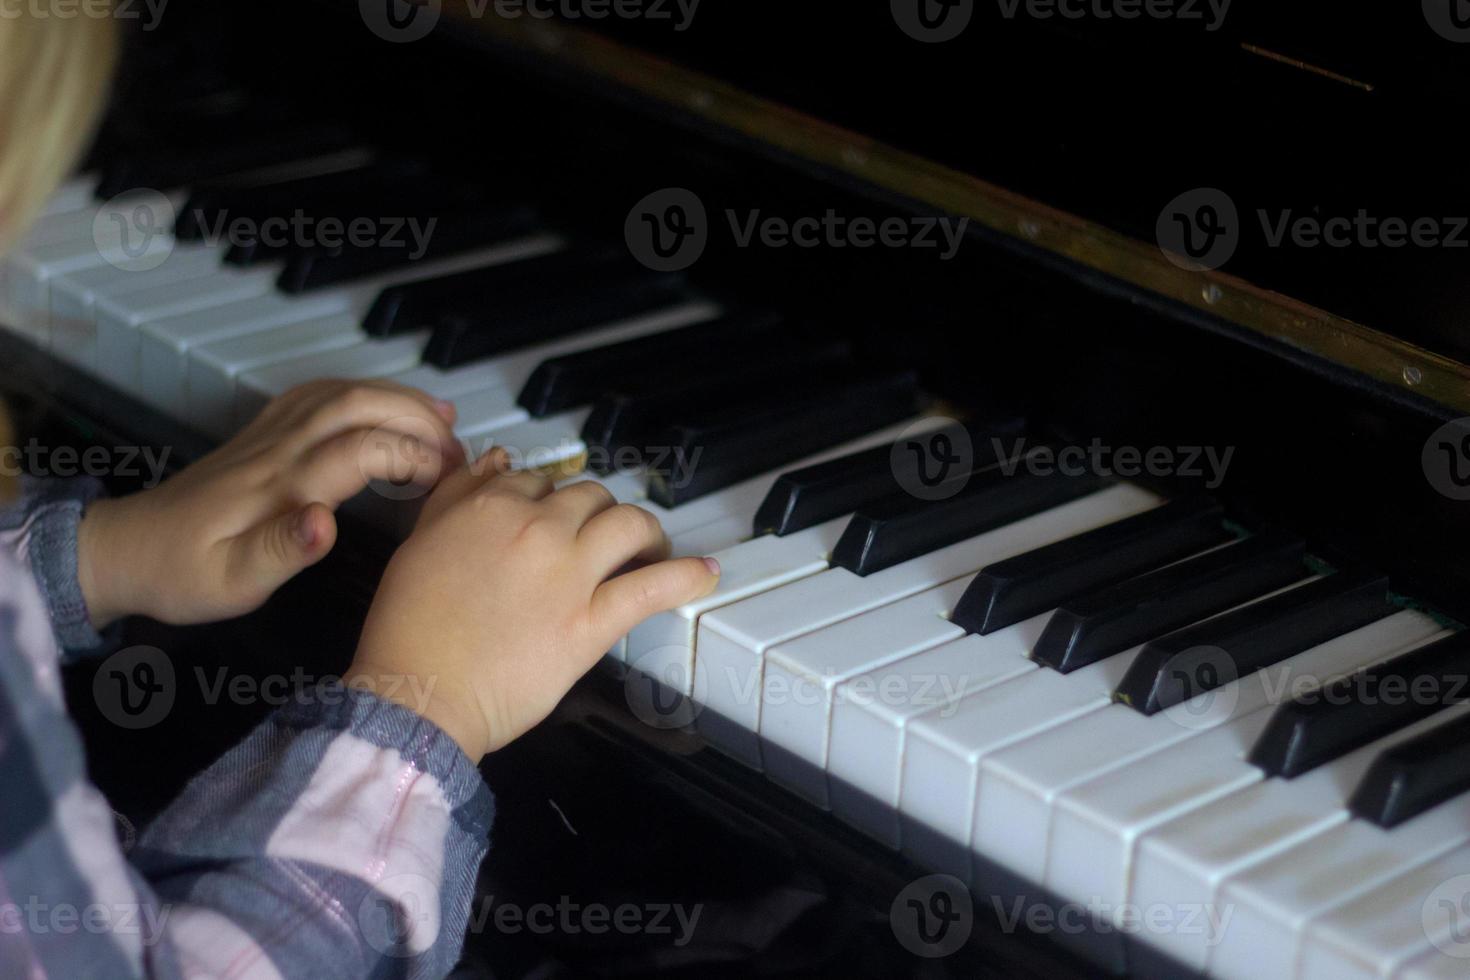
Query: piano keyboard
[1115,697]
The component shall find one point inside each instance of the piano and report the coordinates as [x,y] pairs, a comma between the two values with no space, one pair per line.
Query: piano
[1094,590]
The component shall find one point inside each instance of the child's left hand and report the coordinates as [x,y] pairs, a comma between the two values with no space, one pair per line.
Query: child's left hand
[218,539]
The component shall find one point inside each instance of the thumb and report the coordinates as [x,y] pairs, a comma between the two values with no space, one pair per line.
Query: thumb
[272,552]
[621,603]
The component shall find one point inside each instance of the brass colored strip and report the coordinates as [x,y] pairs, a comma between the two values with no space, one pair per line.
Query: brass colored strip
[1305,66]
[1352,345]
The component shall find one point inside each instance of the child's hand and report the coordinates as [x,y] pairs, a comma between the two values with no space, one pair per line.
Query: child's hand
[507,593]
[216,540]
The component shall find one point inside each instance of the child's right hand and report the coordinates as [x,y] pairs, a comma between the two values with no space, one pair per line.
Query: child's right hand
[507,592]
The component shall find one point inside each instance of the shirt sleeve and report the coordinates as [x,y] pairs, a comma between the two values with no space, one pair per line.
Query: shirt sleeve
[41,529]
[341,838]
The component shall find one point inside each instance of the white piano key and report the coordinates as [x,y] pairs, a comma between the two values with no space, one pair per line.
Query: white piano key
[1096,824]
[489,409]
[721,524]
[801,676]
[871,712]
[1420,915]
[73,317]
[945,747]
[370,359]
[534,443]
[663,646]
[214,368]
[166,344]
[1450,960]
[733,642]
[70,241]
[1181,865]
[1272,903]
[1019,785]
[74,195]
[119,317]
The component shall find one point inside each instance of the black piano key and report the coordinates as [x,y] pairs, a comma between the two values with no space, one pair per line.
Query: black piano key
[731,444]
[154,167]
[1094,626]
[211,209]
[450,234]
[807,497]
[415,305]
[1202,657]
[1018,588]
[625,425]
[1414,776]
[579,378]
[491,329]
[903,526]
[1318,726]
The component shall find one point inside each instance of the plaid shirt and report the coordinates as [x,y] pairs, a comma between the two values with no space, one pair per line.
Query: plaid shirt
[340,839]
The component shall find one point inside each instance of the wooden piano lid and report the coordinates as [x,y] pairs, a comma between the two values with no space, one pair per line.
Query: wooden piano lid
[1213,298]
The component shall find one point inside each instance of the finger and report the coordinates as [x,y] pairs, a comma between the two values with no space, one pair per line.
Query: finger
[460,482]
[370,407]
[621,603]
[536,486]
[620,535]
[341,467]
[582,501]
[261,559]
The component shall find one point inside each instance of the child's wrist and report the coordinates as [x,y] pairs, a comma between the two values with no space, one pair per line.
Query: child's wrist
[98,553]
[457,716]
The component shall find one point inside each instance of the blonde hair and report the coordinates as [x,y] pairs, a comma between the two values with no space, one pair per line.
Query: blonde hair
[54,68]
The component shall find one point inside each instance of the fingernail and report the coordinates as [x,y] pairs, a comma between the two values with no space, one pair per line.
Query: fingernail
[445,409]
[302,528]
[713,566]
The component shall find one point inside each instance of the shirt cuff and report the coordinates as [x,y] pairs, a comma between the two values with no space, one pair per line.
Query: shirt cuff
[52,511]
[420,742]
